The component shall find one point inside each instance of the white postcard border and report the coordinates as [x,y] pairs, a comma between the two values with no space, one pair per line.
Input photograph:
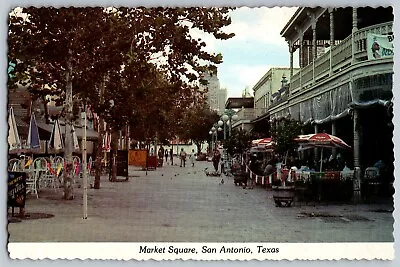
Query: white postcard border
[203,251]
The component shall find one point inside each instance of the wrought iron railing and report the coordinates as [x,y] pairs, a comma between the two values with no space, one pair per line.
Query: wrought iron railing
[338,58]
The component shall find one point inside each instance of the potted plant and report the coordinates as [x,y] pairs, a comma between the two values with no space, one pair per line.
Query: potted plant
[283,191]
[283,133]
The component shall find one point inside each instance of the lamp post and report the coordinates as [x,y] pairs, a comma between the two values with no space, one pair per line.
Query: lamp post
[227,118]
[214,131]
[222,123]
[212,139]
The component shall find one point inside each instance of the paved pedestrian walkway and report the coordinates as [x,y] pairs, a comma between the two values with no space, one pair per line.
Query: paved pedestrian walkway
[182,204]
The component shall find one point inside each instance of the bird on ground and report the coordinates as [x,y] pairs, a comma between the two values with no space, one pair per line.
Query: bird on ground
[222,181]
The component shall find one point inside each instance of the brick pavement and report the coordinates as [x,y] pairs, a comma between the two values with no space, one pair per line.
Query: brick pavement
[174,204]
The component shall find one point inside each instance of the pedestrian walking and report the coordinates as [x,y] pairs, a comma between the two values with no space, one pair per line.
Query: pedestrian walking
[222,165]
[183,157]
[166,155]
[192,157]
[171,154]
[215,159]
[161,153]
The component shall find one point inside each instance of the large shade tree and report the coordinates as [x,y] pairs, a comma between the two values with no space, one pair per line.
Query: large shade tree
[82,52]
[198,120]
[239,141]
[283,133]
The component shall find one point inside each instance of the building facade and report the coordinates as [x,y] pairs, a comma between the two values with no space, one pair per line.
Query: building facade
[347,90]
[266,88]
[244,108]
[216,96]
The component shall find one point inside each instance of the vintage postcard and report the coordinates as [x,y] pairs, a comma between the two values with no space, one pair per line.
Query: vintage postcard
[200,132]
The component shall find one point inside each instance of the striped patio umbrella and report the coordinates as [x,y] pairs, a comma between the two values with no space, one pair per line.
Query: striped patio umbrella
[266,143]
[56,141]
[322,140]
[255,142]
[13,137]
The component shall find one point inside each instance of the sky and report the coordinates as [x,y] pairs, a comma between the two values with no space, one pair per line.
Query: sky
[256,47]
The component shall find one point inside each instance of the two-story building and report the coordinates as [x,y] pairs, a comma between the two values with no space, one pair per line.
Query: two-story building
[266,93]
[347,89]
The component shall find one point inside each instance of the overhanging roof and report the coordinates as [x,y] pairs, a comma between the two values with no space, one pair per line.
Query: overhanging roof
[260,118]
[239,102]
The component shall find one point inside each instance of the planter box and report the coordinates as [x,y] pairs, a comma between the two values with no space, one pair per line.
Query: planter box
[283,194]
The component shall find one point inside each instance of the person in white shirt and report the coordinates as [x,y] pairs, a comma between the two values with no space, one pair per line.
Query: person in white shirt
[183,157]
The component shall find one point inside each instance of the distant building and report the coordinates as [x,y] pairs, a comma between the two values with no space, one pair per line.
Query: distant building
[216,97]
[268,91]
[265,90]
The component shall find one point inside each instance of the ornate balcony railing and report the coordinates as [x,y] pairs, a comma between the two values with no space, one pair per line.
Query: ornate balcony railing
[339,57]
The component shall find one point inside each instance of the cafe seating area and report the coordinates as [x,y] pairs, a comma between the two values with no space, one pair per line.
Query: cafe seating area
[330,186]
[42,172]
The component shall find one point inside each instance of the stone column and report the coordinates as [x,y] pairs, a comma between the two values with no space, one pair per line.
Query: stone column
[332,38]
[354,29]
[331,27]
[302,152]
[356,140]
[334,133]
[291,67]
[356,145]
[301,57]
[314,34]
[316,154]
[301,63]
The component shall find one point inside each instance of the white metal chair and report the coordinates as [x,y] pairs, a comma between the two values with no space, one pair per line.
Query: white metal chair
[14,165]
[31,181]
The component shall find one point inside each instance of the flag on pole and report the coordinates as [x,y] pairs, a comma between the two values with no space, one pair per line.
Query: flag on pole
[33,135]
[13,137]
[56,141]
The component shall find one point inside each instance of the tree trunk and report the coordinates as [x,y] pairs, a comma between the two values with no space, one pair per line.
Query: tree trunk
[69,170]
[99,155]
[99,151]
[198,145]
[114,148]
[127,145]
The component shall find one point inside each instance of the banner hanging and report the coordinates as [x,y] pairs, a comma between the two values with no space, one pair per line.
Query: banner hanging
[379,46]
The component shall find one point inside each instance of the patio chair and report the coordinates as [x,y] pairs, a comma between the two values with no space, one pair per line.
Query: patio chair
[31,181]
[14,165]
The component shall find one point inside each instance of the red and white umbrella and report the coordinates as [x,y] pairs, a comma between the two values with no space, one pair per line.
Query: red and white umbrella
[255,142]
[266,143]
[322,140]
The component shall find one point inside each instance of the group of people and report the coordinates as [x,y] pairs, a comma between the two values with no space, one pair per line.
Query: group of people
[182,156]
[278,164]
